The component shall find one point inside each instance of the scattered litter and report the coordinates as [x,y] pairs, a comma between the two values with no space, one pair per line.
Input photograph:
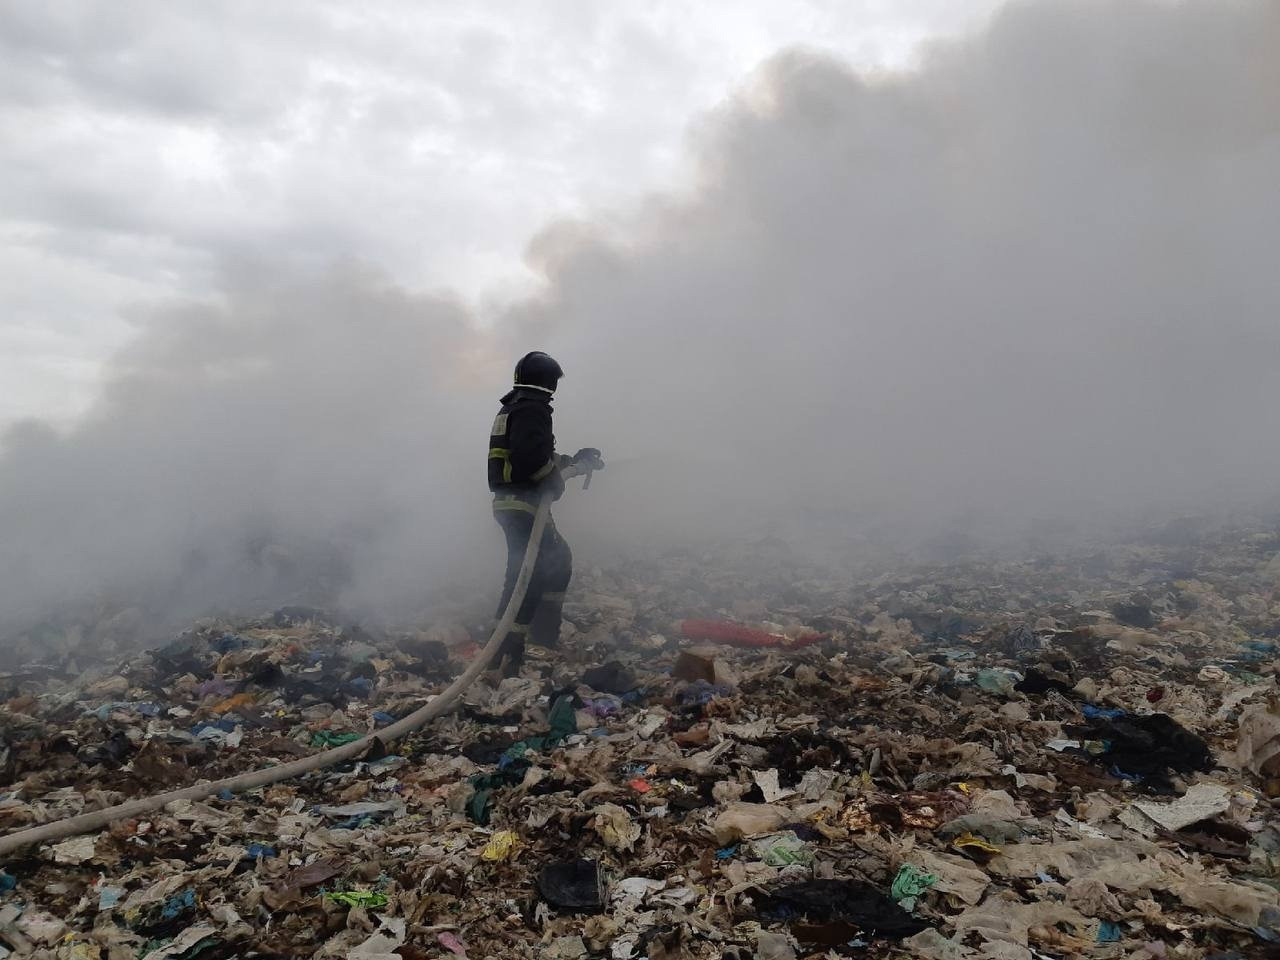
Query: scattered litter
[1201,802]
[358,898]
[501,846]
[978,759]
[909,884]
[75,851]
[576,886]
[782,850]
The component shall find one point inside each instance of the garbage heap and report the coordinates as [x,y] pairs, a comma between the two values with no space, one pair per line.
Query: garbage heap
[739,755]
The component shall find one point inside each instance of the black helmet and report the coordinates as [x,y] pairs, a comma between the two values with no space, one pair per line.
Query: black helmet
[538,370]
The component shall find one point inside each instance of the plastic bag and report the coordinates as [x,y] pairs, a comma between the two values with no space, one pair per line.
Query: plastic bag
[740,821]
[909,884]
[782,850]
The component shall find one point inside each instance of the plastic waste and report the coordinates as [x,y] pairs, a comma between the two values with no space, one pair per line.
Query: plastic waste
[501,846]
[808,907]
[739,821]
[616,827]
[782,849]
[368,899]
[975,848]
[995,680]
[1201,802]
[574,886]
[909,884]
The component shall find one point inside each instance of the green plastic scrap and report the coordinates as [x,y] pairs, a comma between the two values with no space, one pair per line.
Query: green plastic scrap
[563,719]
[512,764]
[358,898]
[782,850]
[909,884]
[996,680]
[478,805]
[331,738]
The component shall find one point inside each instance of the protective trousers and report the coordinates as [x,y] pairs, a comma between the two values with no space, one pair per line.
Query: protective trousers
[538,618]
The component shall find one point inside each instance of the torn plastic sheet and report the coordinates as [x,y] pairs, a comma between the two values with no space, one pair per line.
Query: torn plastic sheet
[1200,802]
[955,875]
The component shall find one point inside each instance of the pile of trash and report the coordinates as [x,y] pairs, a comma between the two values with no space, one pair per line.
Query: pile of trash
[744,755]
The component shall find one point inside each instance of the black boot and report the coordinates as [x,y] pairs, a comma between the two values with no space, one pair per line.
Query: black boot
[510,656]
[545,628]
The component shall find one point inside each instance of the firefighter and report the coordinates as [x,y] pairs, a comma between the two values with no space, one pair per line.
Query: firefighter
[523,463]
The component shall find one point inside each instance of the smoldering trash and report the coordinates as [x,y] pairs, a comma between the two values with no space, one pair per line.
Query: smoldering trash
[748,755]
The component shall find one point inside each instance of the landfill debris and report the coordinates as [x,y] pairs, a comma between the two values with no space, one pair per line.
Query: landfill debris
[1001,747]
[909,884]
[740,635]
[452,943]
[739,821]
[577,885]
[75,851]
[782,850]
[616,827]
[774,946]
[383,943]
[358,898]
[835,911]
[767,781]
[975,848]
[1201,802]
[501,846]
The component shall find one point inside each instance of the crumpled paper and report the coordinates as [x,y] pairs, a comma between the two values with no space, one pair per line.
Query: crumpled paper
[615,827]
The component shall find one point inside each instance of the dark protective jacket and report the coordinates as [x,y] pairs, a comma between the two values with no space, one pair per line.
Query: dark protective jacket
[522,447]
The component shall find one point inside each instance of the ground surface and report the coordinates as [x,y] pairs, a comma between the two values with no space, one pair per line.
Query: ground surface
[1058,757]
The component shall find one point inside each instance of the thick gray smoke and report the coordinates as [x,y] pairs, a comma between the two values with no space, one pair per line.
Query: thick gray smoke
[298,442]
[1034,279]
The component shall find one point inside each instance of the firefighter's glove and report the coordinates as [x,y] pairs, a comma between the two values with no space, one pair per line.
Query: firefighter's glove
[588,458]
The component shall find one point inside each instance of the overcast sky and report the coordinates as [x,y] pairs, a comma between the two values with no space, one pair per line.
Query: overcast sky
[142,144]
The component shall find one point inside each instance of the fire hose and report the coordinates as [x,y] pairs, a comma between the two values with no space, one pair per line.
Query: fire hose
[252,780]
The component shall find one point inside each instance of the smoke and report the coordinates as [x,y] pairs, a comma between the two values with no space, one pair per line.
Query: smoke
[298,441]
[1033,279]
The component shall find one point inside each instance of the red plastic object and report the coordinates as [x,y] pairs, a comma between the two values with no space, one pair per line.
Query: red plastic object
[1155,694]
[736,635]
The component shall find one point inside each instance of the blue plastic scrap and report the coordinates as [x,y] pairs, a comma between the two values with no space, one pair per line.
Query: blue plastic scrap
[1099,713]
[178,904]
[360,686]
[225,725]
[700,693]
[1109,932]
[227,643]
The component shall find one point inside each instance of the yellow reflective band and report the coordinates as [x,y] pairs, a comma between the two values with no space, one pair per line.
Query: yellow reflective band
[499,453]
[545,469]
[559,595]
[519,628]
[513,503]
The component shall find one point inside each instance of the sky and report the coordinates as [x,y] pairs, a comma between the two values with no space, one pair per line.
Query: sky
[145,144]
[1017,284]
